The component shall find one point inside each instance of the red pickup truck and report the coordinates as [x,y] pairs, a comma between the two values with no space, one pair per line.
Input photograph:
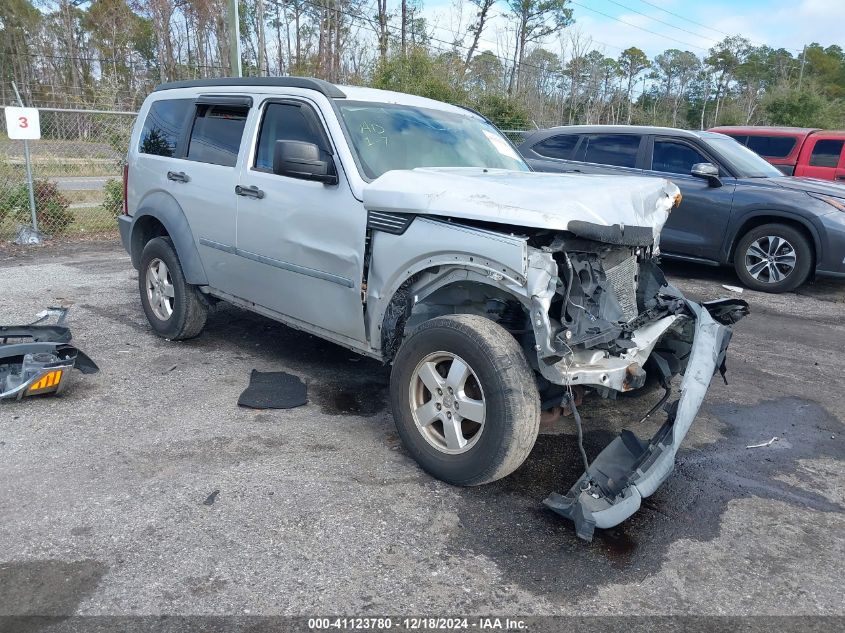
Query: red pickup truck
[795,151]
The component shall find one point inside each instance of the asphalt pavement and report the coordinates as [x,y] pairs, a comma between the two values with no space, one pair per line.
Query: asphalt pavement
[145,490]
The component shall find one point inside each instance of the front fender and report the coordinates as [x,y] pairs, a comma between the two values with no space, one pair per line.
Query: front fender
[164,208]
[431,245]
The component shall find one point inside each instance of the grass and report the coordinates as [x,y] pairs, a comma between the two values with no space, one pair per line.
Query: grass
[87,221]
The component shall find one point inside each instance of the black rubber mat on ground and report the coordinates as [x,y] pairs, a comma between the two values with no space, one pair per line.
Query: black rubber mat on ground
[273,390]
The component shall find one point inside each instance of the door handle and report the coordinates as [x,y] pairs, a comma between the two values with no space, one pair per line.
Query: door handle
[249,192]
[178,176]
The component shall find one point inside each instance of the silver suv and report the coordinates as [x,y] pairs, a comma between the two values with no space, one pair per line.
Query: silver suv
[412,231]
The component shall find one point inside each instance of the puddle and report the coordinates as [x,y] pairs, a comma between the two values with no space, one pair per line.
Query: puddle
[365,399]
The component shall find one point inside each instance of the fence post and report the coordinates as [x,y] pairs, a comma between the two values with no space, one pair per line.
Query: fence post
[28,175]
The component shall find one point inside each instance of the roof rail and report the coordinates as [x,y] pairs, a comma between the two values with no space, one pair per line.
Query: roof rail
[310,83]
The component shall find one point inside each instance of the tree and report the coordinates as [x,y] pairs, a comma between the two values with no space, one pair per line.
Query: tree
[535,20]
[632,61]
[477,27]
[724,58]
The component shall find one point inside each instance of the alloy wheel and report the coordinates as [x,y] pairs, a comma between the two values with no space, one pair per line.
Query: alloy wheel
[770,259]
[160,292]
[447,403]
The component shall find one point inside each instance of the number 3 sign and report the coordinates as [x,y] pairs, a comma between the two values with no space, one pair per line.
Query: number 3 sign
[23,123]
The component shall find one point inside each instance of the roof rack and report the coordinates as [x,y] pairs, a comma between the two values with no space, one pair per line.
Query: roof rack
[310,83]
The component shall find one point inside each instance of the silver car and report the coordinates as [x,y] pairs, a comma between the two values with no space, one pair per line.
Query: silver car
[412,231]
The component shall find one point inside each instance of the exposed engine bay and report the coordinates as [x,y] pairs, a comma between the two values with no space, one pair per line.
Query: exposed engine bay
[611,321]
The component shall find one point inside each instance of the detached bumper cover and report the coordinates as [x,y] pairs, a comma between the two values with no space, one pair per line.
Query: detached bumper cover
[41,358]
[629,469]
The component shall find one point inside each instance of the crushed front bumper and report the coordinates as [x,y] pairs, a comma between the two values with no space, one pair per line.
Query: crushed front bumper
[629,469]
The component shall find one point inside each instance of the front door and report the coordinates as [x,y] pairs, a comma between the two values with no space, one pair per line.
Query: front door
[301,242]
[697,227]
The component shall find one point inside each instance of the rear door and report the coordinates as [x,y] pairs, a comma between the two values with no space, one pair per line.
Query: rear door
[822,157]
[610,154]
[605,153]
[208,196]
[697,227]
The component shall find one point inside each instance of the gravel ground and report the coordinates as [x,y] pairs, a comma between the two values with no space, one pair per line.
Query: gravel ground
[320,510]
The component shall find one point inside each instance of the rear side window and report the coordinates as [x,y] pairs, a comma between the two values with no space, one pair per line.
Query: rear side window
[675,158]
[560,146]
[772,146]
[619,150]
[742,139]
[286,122]
[163,126]
[216,134]
[826,153]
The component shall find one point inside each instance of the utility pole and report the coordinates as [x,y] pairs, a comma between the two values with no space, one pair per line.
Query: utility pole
[234,39]
[801,72]
[262,45]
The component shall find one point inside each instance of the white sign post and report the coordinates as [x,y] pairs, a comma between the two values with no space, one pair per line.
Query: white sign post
[25,124]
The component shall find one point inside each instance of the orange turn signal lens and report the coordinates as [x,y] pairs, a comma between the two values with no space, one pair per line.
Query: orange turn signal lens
[47,381]
[678,198]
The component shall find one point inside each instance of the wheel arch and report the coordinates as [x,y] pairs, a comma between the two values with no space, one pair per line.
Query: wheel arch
[775,217]
[436,291]
[159,215]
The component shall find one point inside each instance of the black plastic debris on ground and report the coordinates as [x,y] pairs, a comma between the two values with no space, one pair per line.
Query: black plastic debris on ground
[273,390]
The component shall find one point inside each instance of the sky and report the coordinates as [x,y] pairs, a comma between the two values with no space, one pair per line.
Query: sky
[692,25]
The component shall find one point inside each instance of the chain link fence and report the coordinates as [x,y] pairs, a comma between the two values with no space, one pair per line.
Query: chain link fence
[77,175]
[77,167]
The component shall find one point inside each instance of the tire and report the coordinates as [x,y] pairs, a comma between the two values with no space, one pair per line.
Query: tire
[181,316]
[783,243]
[499,377]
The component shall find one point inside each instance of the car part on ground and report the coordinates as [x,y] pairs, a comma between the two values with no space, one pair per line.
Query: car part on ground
[630,469]
[273,390]
[40,357]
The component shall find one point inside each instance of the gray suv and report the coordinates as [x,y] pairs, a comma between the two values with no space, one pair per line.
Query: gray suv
[738,209]
[412,231]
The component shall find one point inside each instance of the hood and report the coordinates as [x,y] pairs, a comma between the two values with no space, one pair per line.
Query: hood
[807,185]
[529,199]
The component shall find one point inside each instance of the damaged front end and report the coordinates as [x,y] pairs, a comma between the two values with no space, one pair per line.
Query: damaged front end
[36,359]
[606,320]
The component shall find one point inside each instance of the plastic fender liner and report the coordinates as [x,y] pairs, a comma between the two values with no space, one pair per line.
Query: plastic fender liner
[629,469]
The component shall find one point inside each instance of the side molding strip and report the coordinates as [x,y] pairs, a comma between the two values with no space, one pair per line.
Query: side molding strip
[277,263]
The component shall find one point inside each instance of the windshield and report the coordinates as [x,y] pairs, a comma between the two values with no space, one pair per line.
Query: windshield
[386,137]
[745,163]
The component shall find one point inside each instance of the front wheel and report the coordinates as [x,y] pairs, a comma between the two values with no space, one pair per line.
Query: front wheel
[464,399]
[773,258]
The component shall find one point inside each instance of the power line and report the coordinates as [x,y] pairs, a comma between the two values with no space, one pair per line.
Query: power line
[635,26]
[709,28]
[686,19]
[669,24]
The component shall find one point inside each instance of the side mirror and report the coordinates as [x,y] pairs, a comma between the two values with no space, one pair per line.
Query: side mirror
[298,159]
[708,171]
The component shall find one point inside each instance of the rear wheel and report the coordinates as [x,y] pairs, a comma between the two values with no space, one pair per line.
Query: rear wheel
[173,307]
[465,400]
[773,258]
